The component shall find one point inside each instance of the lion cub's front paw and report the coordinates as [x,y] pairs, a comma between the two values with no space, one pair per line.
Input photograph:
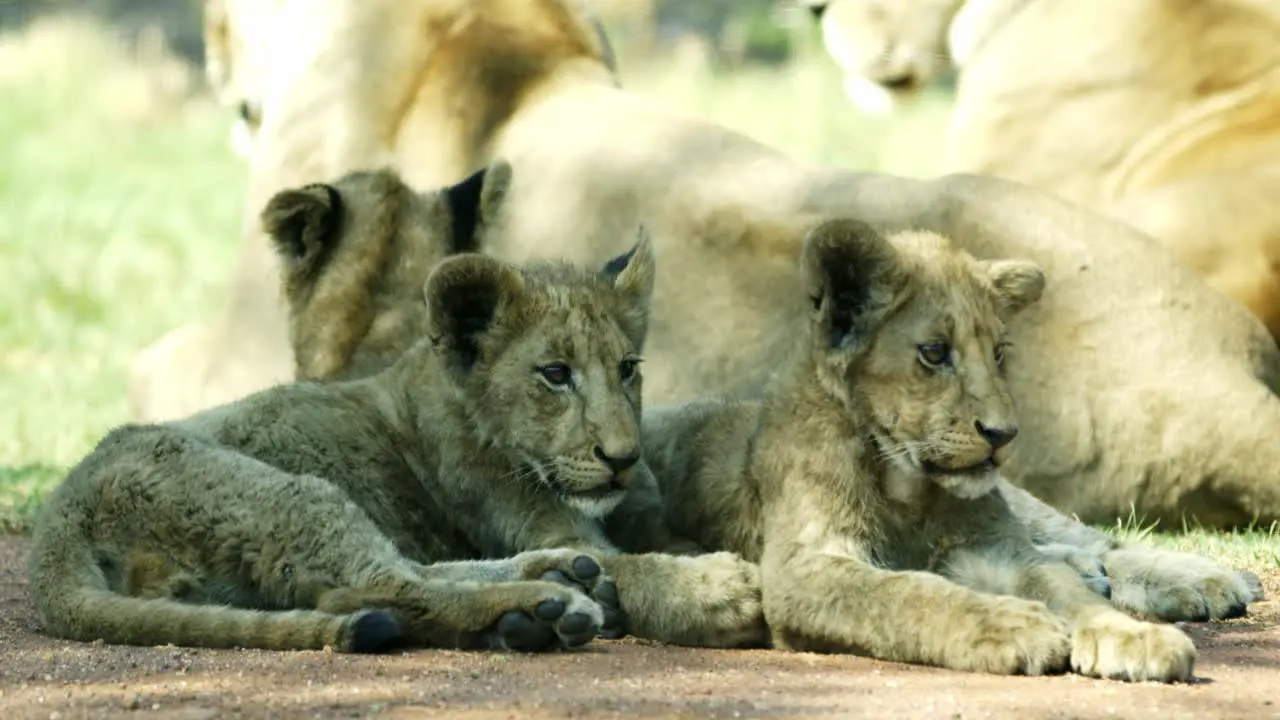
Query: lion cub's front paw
[733,613]
[1176,586]
[573,568]
[548,616]
[1009,636]
[1120,647]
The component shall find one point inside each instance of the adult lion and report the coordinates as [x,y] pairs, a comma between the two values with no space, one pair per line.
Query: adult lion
[1124,402]
[1189,151]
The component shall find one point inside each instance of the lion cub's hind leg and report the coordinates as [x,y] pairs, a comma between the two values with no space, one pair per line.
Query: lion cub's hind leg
[567,567]
[1174,586]
[526,616]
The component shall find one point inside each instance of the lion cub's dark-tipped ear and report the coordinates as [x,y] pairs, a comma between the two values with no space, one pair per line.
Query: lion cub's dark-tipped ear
[633,275]
[475,202]
[1018,283]
[303,222]
[852,274]
[466,295]
[633,272]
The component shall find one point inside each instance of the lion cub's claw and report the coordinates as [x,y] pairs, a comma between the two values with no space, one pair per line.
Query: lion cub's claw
[1126,649]
[1011,636]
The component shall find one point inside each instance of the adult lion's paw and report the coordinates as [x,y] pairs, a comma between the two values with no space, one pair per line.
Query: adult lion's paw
[1007,636]
[1119,647]
[1176,586]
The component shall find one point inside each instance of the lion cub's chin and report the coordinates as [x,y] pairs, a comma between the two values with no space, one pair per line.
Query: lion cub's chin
[970,485]
[904,481]
[595,503]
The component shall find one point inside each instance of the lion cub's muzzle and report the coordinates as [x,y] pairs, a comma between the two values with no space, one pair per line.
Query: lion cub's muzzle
[595,481]
[984,454]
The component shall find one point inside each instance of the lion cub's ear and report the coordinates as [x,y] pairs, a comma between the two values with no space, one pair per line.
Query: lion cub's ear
[1018,283]
[303,222]
[466,295]
[852,275]
[633,274]
[475,202]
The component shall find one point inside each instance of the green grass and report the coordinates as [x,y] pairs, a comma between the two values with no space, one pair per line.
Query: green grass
[121,204]
[120,207]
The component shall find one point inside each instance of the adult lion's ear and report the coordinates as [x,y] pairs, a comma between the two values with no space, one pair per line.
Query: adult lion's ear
[1018,283]
[633,274]
[303,222]
[475,202]
[466,295]
[852,274]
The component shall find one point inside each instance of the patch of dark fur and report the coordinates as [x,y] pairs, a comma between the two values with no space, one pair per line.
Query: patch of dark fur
[464,211]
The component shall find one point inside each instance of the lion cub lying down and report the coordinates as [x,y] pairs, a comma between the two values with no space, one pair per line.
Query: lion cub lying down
[866,481]
[314,514]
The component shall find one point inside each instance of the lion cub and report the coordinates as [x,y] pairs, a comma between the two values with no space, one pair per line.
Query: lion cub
[427,504]
[866,481]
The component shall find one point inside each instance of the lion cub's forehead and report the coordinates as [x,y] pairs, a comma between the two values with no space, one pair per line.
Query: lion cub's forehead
[949,285]
[579,323]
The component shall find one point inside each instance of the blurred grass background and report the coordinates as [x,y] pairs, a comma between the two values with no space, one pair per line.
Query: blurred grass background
[120,201]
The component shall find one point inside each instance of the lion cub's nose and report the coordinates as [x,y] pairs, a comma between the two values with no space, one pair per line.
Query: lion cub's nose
[620,463]
[997,437]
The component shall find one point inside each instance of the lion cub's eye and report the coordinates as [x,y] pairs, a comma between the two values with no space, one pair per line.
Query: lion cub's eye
[628,368]
[935,354]
[556,374]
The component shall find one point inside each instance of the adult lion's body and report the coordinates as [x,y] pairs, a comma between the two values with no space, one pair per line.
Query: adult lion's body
[728,213]
[425,503]
[1190,92]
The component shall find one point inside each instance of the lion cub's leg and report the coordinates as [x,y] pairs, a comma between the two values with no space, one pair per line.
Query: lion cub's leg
[710,600]
[525,616]
[1172,586]
[564,566]
[1175,586]
[1105,642]
[825,601]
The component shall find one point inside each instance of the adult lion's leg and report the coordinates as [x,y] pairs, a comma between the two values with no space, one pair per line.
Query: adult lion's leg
[1172,586]
[827,602]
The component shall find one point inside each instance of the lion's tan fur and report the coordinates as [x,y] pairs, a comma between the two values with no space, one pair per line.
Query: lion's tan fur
[593,162]
[497,448]
[865,481]
[1189,90]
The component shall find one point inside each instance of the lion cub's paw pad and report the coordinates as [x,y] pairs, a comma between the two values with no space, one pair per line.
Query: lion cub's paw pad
[585,568]
[519,632]
[605,594]
[1016,637]
[1132,650]
[615,619]
[374,631]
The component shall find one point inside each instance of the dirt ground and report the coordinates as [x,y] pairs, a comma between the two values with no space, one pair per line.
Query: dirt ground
[1237,676]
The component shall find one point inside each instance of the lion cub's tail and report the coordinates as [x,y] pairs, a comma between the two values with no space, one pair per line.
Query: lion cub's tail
[75,602]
